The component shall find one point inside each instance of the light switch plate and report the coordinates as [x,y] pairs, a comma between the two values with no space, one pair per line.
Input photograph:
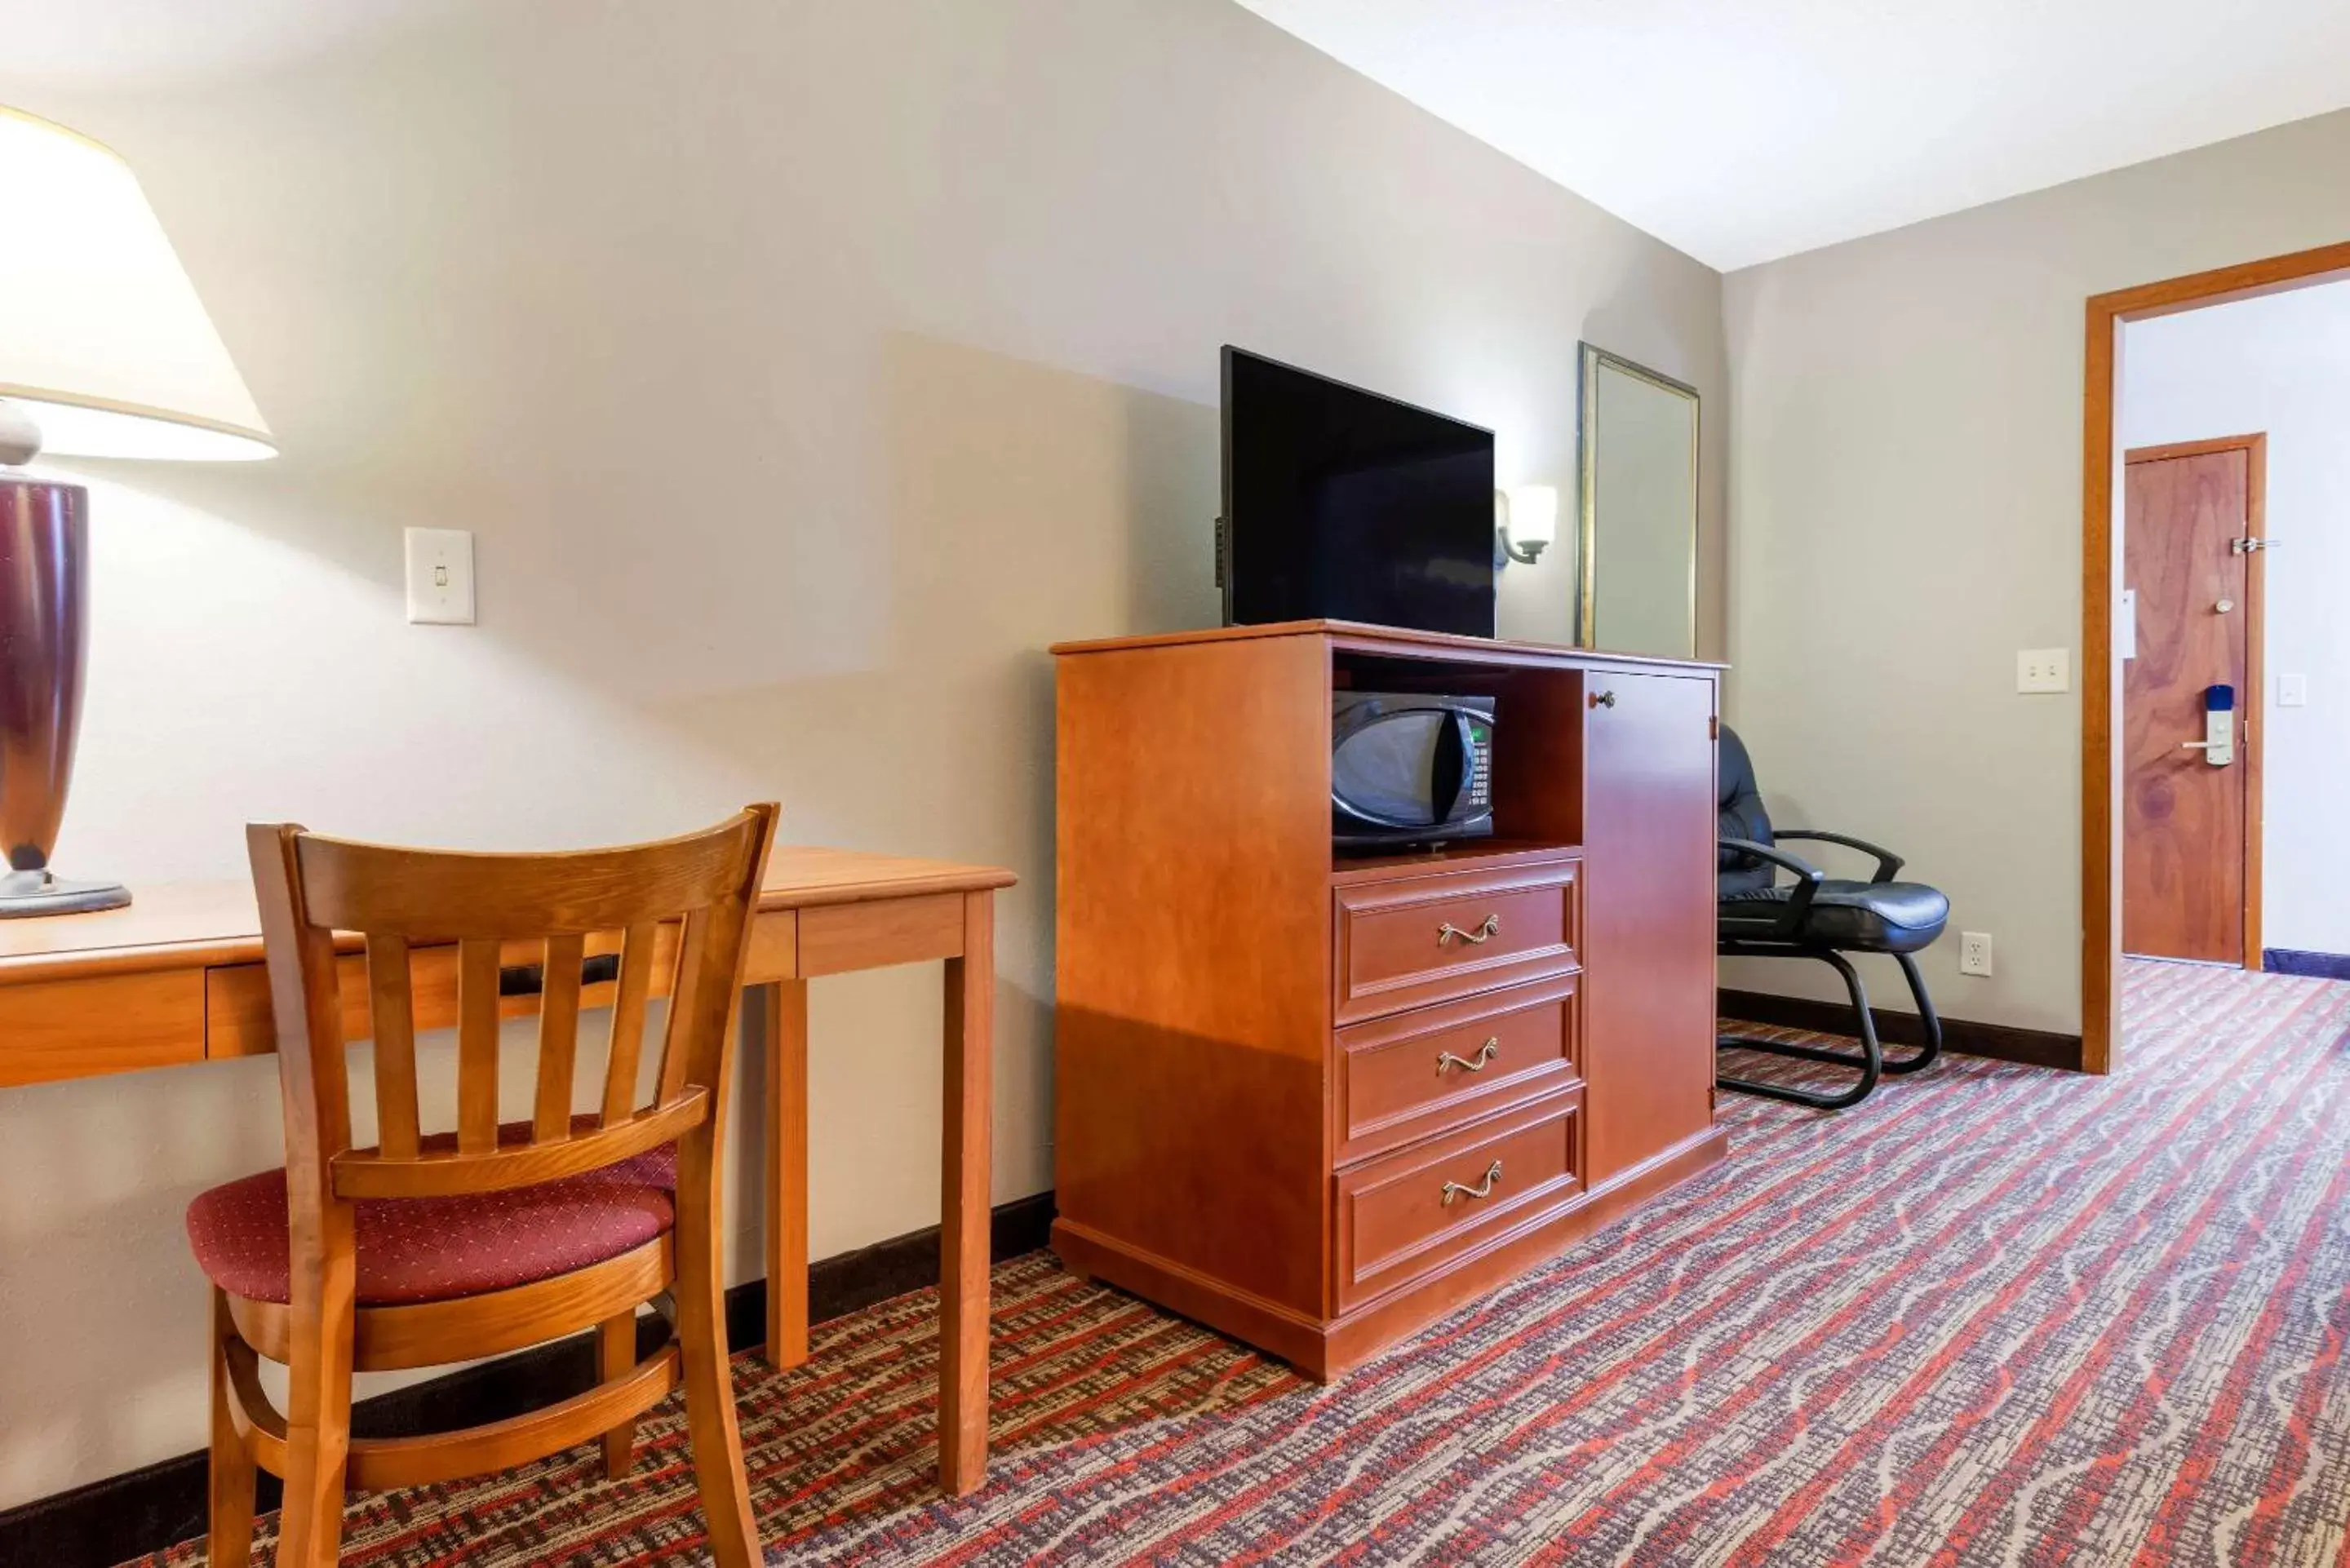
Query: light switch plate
[440,577]
[2292,690]
[2044,670]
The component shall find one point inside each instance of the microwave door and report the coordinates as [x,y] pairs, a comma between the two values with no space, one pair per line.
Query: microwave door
[1449,769]
[1388,773]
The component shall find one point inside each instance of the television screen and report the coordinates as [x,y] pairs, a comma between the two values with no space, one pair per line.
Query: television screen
[1342,505]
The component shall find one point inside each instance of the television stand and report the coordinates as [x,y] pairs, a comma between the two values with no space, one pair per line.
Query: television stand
[1289,1105]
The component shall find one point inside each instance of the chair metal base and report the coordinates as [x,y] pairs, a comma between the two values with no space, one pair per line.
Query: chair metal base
[1870,1058]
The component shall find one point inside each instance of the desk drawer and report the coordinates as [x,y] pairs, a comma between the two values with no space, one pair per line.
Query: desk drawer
[1397,1224]
[1423,939]
[1422,1073]
[107,1023]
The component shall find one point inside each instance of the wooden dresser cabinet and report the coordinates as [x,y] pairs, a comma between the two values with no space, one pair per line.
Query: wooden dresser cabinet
[1319,1099]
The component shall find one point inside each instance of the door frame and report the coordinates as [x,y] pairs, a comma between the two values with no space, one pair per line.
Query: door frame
[2101,931]
[2251,712]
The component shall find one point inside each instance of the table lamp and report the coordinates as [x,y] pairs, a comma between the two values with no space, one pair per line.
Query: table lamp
[105,351]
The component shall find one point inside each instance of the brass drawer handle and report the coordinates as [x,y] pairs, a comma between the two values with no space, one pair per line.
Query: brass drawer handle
[1485,1053]
[1603,699]
[1482,935]
[1453,1190]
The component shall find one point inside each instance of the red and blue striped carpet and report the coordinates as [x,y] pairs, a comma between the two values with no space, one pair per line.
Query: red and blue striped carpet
[1993,1315]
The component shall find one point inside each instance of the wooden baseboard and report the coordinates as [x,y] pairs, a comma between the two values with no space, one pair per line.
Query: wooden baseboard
[125,1516]
[2005,1043]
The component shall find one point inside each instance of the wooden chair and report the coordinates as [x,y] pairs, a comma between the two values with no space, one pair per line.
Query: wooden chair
[432,1249]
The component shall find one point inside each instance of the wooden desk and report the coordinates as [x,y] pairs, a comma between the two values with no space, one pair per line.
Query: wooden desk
[178,977]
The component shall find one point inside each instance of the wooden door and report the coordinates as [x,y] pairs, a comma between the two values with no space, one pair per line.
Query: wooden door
[1648,832]
[2190,886]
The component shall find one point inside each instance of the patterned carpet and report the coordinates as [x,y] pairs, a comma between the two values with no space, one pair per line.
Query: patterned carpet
[1993,1315]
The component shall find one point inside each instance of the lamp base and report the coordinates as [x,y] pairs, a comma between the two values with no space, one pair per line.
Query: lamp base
[24,893]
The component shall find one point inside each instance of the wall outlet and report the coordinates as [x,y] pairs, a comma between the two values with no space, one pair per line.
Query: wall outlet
[1975,952]
[2292,690]
[440,577]
[2044,670]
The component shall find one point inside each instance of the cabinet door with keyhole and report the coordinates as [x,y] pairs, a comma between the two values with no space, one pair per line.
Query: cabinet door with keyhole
[1649,815]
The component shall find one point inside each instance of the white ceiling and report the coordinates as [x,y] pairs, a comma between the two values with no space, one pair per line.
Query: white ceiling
[149,45]
[1742,131]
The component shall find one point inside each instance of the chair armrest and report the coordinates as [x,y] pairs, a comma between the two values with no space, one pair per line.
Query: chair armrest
[1808,878]
[1888,865]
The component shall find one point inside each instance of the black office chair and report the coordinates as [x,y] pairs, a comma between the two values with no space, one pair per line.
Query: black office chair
[1816,917]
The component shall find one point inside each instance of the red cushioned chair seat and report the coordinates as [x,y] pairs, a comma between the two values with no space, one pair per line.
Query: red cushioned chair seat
[438,1249]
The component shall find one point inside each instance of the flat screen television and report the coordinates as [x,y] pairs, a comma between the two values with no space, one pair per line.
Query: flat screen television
[1342,505]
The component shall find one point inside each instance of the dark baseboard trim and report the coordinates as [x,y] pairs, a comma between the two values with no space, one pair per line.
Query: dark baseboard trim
[2318,966]
[2034,1047]
[127,1516]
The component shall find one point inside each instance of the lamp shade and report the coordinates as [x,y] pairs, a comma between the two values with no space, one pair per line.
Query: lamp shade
[103,342]
[1533,515]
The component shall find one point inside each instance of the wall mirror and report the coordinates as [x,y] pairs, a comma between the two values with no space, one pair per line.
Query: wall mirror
[1637,546]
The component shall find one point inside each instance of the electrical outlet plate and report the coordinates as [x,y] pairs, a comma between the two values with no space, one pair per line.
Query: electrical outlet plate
[2044,670]
[440,577]
[1974,953]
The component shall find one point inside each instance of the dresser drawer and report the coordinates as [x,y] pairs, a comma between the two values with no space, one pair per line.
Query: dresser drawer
[1422,940]
[1421,1072]
[1404,1216]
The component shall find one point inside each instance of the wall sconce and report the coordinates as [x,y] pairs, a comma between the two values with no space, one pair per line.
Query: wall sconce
[1525,523]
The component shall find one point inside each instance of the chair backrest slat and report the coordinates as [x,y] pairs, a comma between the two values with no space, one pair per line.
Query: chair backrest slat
[559,1035]
[693,962]
[477,1045]
[689,898]
[392,1007]
[628,1022]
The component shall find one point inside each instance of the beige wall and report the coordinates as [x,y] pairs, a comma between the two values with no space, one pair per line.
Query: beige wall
[804,369]
[1905,467]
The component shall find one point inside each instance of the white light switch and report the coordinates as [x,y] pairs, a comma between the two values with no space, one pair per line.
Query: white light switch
[2292,690]
[440,577]
[2044,670]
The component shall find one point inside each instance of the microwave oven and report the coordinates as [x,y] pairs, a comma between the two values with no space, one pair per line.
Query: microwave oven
[1407,768]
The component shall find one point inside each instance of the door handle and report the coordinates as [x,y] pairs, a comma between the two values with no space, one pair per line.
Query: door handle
[2218,742]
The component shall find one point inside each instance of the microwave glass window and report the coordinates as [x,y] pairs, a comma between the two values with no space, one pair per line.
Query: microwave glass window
[1404,769]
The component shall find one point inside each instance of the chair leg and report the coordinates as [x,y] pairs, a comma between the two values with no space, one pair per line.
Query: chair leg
[710,1415]
[317,1415]
[1870,1059]
[229,1541]
[1932,1020]
[616,1357]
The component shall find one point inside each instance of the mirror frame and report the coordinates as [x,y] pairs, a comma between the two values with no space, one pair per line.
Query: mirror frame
[1594,359]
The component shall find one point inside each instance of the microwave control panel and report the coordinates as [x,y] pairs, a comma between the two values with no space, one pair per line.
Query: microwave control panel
[1481,766]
